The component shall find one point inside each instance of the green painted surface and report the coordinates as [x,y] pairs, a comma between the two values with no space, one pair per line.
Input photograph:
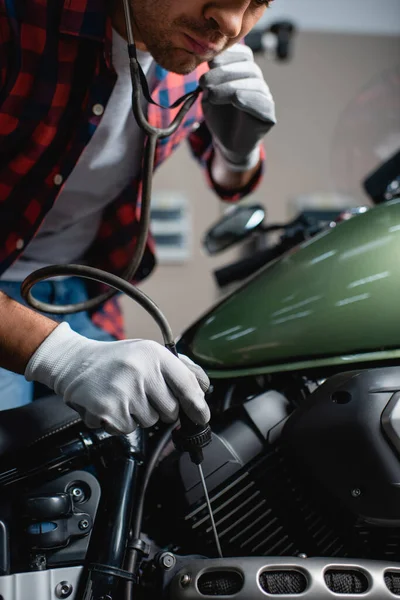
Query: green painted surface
[305,365]
[334,299]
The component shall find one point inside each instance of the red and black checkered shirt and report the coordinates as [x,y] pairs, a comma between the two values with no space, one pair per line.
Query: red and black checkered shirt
[55,67]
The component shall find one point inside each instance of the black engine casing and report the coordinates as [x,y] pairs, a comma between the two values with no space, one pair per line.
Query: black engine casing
[322,481]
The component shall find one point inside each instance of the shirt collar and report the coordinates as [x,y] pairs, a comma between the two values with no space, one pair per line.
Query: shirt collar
[90,19]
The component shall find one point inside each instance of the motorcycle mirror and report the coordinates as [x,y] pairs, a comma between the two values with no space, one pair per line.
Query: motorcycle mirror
[234,227]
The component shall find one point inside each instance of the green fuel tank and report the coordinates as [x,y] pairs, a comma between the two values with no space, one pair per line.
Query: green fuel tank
[334,300]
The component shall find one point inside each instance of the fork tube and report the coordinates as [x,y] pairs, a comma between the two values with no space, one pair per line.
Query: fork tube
[112,527]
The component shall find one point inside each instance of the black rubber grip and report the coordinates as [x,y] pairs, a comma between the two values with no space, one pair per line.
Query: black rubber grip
[189,436]
[247,266]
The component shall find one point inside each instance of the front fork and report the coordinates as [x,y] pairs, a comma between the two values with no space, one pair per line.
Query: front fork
[103,576]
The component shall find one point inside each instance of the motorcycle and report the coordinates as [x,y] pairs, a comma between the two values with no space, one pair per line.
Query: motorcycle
[248,222]
[303,471]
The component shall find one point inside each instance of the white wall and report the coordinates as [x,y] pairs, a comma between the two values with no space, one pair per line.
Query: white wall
[380,17]
[311,92]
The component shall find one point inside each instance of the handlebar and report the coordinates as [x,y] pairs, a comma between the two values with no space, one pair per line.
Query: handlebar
[303,227]
[247,266]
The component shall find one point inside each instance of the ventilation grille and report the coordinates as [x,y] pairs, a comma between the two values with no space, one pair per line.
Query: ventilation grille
[376,542]
[281,582]
[220,583]
[270,509]
[346,581]
[261,512]
[392,580]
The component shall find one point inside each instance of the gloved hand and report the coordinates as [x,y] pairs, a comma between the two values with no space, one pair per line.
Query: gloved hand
[238,107]
[118,385]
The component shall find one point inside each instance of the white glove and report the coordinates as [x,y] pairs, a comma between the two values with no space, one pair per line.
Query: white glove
[238,106]
[118,385]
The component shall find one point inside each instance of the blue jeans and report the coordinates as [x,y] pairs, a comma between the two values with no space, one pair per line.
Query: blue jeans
[14,389]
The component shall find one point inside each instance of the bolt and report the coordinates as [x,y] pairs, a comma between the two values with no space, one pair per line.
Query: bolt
[167,560]
[64,589]
[356,492]
[84,524]
[185,580]
[302,555]
[77,493]
[37,563]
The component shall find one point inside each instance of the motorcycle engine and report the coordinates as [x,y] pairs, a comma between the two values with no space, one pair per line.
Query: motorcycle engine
[320,480]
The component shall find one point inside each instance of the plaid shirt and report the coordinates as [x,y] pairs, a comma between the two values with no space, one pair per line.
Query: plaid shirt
[55,69]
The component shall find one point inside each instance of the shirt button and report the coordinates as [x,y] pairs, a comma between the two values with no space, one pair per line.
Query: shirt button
[98,110]
[58,179]
[20,244]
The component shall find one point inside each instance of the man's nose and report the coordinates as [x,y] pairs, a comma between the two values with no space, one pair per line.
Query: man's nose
[227,15]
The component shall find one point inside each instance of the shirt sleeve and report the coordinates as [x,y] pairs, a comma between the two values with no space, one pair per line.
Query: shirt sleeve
[202,148]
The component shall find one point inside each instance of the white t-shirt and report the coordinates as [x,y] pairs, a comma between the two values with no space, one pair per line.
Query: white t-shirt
[106,166]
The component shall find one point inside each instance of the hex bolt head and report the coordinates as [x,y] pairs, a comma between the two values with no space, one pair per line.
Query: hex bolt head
[167,560]
[77,493]
[63,589]
[84,524]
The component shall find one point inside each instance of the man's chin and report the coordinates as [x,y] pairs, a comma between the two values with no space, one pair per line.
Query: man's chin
[180,61]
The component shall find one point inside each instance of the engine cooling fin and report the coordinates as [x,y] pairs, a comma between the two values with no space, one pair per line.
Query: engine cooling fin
[268,509]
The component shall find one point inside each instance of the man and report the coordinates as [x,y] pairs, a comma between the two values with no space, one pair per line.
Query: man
[70,183]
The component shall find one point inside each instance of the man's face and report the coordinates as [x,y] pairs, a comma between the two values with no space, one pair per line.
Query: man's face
[181,34]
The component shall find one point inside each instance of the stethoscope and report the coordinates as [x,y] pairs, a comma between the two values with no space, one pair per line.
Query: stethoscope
[121,284]
[191,437]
